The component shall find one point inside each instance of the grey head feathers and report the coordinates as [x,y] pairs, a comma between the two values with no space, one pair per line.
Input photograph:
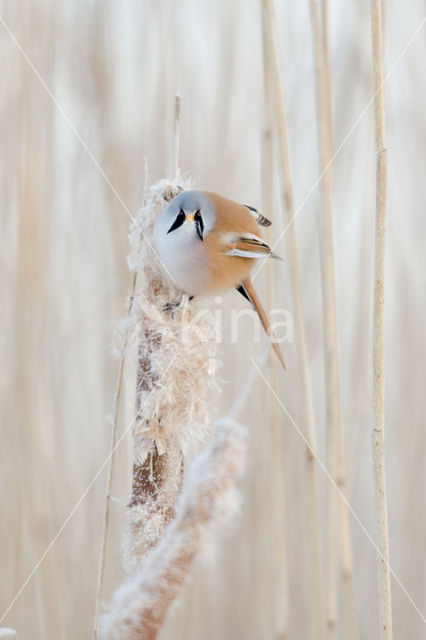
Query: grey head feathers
[187,203]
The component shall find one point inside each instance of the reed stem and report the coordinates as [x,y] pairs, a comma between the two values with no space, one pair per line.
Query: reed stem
[114,429]
[378,434]
[176,138]
[338,523]
[274,90]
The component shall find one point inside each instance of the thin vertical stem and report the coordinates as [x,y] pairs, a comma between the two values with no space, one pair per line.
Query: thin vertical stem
[274,89]
[338,523]
[329,320]
[176,138]
[281,605]
[347,569]
[114,429]
[107,512]
[383,569]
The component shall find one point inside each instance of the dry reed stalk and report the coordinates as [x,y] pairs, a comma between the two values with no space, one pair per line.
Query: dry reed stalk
[347,570]
[338,523]
[281,605]
[176,138]
[329,319]
[279,508]
[274,88]
[343,516]
[205,507]
[378,435]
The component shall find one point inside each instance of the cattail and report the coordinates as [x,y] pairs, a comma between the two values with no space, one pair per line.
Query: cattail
[204,509]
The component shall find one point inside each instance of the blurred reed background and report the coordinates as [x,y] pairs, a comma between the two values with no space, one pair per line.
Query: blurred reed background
[114,69]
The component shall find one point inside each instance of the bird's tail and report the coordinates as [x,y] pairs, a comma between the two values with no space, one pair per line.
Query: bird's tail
[251,292]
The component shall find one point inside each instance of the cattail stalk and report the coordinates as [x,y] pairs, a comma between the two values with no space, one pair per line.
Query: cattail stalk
[383,568]
[274,90]
[157,478]
[338,524]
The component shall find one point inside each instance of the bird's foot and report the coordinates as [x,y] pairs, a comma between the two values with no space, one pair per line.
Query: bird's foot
[169,307]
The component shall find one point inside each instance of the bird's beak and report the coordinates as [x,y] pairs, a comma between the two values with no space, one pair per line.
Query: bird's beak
[196,218]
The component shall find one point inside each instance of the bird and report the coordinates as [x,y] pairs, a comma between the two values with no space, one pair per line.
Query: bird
[209,244]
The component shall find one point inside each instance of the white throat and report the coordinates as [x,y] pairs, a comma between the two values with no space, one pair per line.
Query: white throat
[182,253]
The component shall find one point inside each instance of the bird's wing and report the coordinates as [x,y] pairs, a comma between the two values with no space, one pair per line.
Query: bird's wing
[247,245]
[260,219]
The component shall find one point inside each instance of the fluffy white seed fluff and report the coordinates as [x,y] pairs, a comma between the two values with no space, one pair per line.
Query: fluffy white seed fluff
[206,506]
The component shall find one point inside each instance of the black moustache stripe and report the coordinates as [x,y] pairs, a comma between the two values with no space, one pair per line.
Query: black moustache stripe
[199,224]
[178,222]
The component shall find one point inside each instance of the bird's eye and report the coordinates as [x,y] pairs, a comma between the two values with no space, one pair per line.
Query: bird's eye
[180,218]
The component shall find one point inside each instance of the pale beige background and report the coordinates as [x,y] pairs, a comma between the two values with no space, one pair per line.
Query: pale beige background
[114,68]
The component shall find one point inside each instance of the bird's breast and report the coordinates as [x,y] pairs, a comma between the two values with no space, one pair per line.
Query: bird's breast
[185,261]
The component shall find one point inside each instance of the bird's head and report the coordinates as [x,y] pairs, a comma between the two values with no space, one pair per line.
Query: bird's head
[190,214]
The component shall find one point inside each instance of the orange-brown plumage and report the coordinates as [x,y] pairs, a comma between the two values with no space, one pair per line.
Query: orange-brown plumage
[226,271]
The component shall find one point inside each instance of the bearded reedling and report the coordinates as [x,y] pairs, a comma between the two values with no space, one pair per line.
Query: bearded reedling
[209,244]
